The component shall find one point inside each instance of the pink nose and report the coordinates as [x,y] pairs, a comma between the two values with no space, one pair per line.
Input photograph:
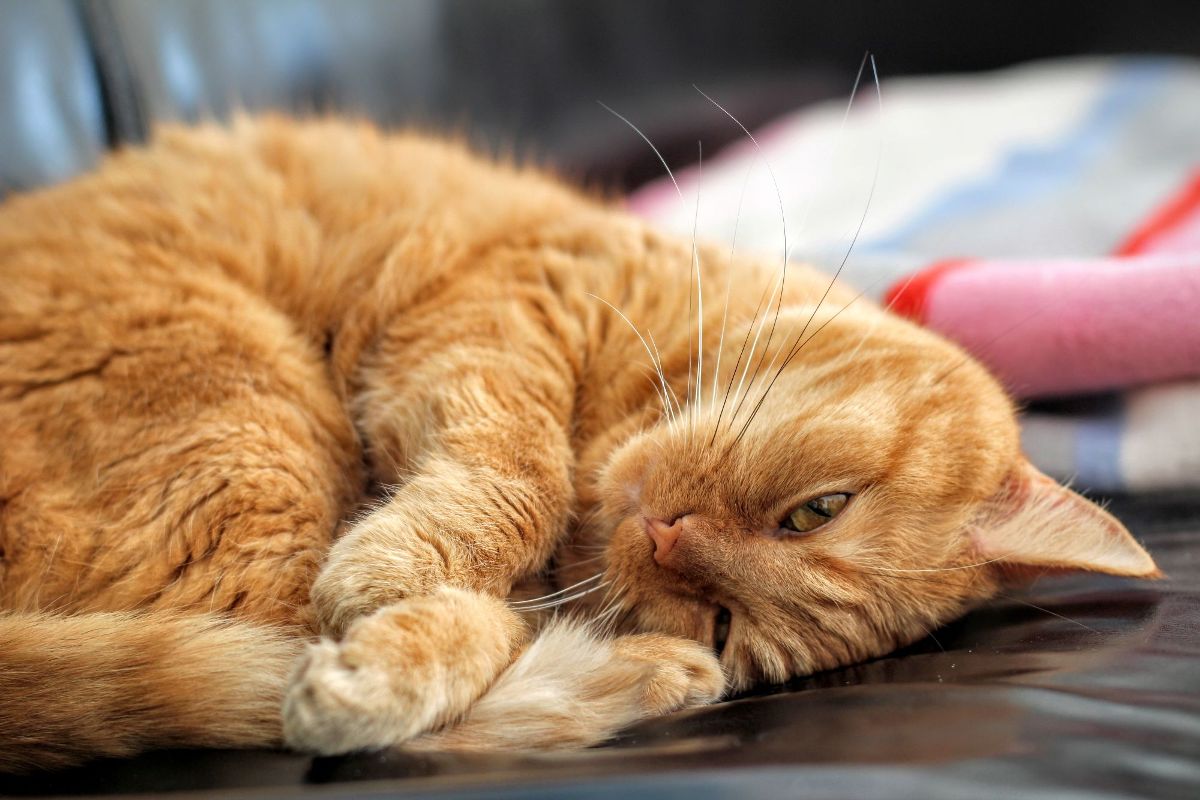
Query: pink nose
[664,534]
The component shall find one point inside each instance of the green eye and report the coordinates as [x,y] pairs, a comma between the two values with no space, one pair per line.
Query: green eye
[815,513]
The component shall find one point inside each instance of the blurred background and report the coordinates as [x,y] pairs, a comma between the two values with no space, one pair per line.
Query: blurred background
[80,76]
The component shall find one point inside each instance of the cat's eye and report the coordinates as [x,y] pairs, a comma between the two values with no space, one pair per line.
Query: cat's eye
[721,630]
[815,513]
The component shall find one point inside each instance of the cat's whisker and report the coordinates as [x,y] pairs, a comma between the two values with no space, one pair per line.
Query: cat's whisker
[1051,613]
[737,219]
[611,609]
[563,600]
[946,569]
[570,588]
[785,364]
[849,357]
[1001,595]
[736,364]
[800,342]
[645,139]
[738,397]
[662,376]
[783,224]
[657,365]
[930,635]
[559,568]
[699,294]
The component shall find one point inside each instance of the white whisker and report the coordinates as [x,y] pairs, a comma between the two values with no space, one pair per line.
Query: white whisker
[783,224]
[699,290]
[800,341]
[563,600]
[645,139]
[570,588]
[663,394]
[737,218]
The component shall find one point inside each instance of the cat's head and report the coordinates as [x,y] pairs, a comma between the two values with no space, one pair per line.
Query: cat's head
[877,492]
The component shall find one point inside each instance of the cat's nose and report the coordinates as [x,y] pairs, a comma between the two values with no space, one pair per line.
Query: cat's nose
[664,535]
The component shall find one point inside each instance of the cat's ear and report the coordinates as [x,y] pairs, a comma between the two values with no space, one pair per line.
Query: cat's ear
[1034,522]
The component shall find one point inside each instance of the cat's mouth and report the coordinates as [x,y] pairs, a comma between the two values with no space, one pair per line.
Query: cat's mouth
[721,629]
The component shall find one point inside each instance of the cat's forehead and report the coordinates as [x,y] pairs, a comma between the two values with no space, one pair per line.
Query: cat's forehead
[814,436]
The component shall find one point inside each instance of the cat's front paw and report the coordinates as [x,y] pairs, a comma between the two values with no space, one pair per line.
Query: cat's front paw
[378,563]
[403,670]
[683,673]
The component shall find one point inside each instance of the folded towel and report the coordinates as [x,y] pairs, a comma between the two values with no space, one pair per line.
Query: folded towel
[1046,217]
[1058,327]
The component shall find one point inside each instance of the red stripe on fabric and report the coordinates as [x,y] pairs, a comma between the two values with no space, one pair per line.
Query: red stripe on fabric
[908,297]
[1178,208]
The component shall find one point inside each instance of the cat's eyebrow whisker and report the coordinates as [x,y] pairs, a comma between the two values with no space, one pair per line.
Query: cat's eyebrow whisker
[867,206]
[849,358]
[783,224]
[737,219]
[803,224]
[800,341]
[657,364]
[839,137]
[662,376]
[785,364]
[694,274]
[738,397]
[736,364]
[645,139]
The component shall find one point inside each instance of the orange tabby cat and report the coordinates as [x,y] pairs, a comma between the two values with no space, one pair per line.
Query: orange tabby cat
[212,349]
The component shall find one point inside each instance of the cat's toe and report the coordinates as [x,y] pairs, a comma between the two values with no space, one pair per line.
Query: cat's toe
[684,673]
[401,671]
[333,707]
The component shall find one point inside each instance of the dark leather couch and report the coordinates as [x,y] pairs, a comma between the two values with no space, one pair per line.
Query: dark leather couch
[1081,687]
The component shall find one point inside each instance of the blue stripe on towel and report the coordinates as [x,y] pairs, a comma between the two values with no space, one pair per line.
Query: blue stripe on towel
[1098,452]
[1028,172]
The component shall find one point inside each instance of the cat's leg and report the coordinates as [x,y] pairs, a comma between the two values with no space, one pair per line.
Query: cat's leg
[572,689]
[475,431]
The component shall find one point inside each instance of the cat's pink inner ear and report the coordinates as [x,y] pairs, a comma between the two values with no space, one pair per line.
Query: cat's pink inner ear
[1034,521]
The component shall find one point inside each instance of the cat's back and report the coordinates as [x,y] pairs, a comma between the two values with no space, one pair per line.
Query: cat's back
[301,213]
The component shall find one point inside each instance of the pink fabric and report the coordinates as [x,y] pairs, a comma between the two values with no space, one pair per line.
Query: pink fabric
[1064,327]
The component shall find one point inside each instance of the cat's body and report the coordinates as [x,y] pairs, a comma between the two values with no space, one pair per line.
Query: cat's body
[215,350]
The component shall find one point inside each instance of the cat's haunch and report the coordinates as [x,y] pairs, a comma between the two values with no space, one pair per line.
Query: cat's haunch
[283,379]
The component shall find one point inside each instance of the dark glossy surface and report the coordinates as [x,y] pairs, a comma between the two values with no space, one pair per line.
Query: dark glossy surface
[1081,684]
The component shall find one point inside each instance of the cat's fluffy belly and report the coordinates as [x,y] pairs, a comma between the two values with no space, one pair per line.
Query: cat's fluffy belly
[211,347]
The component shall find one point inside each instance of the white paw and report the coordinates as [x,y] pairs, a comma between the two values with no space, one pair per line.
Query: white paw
[406,669]
[333,707]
